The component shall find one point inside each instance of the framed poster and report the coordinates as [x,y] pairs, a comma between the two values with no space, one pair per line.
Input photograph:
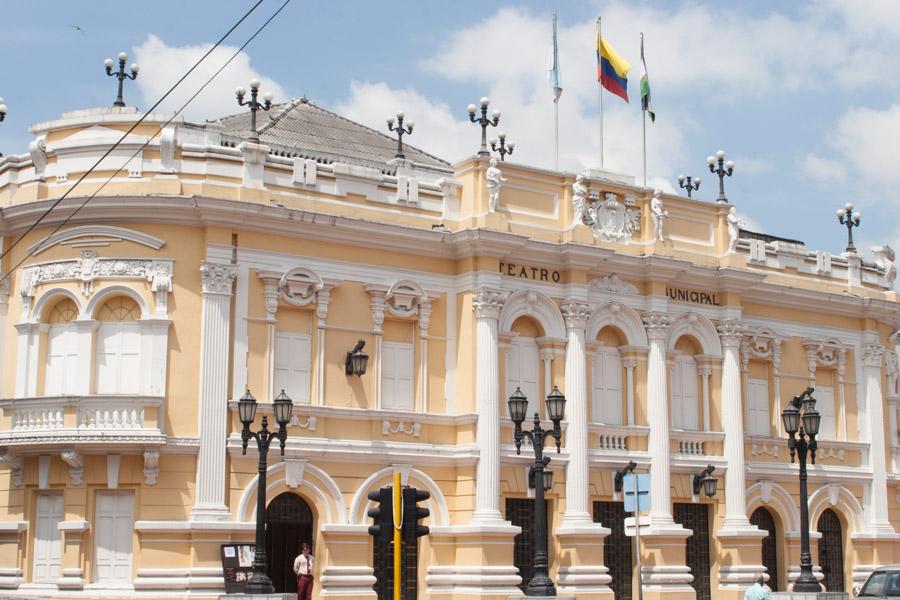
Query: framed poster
[237,566]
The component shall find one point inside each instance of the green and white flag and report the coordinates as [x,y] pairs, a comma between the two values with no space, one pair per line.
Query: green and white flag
[645,86]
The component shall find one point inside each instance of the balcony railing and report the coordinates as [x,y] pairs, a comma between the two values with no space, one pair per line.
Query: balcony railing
[696,443]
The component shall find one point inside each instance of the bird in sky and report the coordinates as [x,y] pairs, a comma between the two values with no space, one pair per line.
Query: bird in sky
[78,28]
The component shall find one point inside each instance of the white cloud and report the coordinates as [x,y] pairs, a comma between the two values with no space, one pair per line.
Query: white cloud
[823,170]
[162,65]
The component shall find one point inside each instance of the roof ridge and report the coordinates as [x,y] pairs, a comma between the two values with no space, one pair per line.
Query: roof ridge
[287,107]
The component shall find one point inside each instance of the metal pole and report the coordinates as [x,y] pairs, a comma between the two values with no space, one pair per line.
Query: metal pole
[259,582]
[599,91]
[807,581]
[556,133]
[637,539]
[398,540]
[644,134]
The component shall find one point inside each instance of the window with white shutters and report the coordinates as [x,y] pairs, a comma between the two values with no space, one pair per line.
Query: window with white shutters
[758,407]
[48,538]
[118,352]
[606,381]
[292,365]
[397,369]
[113,530]
[825,405]
[523,367]
[684,397]
[62,354]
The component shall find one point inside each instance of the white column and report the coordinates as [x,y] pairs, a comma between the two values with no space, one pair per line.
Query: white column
[209,500]
[270,295]
[705,372]
[630,364]
[323,299]
[577,495]
[731,333]
[657,325]
[878,511]
[26,359]
[376,295]
[424,322]
[546,355]
[487,304]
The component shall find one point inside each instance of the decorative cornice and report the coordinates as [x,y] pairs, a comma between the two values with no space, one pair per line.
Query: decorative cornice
[90,267]
[217,278]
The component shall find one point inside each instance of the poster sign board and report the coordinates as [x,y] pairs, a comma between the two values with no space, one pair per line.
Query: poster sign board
[237,566]
[641,500]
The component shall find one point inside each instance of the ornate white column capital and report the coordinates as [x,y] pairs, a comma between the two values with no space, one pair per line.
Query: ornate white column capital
[487,303]
[657,325]
[577,314]
[75,460]
[732,333]
[873,355]
[217,278]
[424,317]
[271,295]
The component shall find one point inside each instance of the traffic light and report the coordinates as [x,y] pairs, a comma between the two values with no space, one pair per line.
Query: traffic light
[412,514]
[383,515]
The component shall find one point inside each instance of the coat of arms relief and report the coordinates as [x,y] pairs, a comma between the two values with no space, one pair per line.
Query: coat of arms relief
[609,219]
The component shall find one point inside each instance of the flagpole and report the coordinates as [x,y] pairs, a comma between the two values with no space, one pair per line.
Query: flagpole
[556,133]
[599,91]
[555,95]
[644,118]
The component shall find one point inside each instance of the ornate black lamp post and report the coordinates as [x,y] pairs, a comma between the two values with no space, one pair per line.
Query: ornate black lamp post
[718,166]
[2,109]
[254,105]
[540,584]
[500,146]
[484,122]
[259,582]
[847,217]
[691,184]
[400,129]
[801,421]
[121,75]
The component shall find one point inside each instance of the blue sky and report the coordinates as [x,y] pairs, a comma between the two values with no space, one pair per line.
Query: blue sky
[802,95]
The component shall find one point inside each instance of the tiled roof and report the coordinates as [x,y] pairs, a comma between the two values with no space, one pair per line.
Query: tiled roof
[303,128]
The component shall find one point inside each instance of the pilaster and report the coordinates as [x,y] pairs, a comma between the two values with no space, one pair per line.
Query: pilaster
[576,315]
[877,511]
[209,501]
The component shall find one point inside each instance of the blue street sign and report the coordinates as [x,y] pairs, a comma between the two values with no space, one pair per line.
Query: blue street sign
[643,491]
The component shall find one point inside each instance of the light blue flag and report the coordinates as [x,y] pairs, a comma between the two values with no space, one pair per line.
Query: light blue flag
[554,70]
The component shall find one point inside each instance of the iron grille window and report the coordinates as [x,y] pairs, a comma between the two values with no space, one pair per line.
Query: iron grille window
[289,522]
[831,551]
[696,518]
[762,518]
[617,547]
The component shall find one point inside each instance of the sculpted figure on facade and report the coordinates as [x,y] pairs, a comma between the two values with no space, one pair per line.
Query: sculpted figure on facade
[612,221]
[658,215]
[495,181]
[734,228]
[38,150]
[884,260]
[579,202]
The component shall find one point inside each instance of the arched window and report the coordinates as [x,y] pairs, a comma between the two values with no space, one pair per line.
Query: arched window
[606,379]
[62,350]
[763,519]
[523,363]
[831,551]
[118,347]
[685,402]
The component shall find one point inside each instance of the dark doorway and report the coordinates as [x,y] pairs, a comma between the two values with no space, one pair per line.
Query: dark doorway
[383,564]
[289,522]
[763,519]
[831,551]
[696,518]
[617,547]
[520,512]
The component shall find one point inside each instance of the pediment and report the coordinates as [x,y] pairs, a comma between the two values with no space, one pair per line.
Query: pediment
[95,235]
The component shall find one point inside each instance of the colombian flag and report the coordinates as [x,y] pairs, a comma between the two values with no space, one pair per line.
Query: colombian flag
[612,69]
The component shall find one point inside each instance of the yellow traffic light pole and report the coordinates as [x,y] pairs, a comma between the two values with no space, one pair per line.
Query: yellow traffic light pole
[398,541]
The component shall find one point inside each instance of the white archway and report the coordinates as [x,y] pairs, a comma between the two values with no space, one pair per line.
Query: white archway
[698,327]
[103,294]
[535,305]
[316,484]
[52,295]
[437,504]
[623,318]
[834,495]
[774,497]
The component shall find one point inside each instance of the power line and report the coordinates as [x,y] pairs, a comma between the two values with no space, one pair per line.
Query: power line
[125,135]
[151,138]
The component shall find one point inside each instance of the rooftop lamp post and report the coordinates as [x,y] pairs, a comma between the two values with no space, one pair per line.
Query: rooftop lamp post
[540,584]
[801,422]
[503,148]
[689,183]
[259,582]
[121,75]
[400,129]
[2,109]
[718,166]
[847,217]
[484,122]
[254,104]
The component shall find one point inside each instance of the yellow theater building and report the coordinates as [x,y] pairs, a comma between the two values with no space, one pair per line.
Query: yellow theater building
[211,264]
